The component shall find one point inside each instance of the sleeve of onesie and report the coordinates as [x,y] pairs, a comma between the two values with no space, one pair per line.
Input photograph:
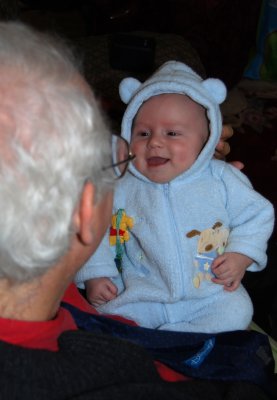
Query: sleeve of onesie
[251,218]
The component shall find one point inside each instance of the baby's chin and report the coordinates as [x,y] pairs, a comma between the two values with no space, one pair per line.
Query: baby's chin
[156,178]
[157,173]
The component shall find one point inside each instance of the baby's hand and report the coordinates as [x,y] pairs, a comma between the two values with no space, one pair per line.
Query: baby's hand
[229,269]
[100,290]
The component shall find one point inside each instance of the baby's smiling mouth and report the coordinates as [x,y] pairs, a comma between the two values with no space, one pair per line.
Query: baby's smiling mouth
[156,161]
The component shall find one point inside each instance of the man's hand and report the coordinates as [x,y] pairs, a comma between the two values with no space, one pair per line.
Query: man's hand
[223,147]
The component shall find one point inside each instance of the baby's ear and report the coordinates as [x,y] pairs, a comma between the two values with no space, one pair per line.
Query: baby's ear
[127,87]
[216,89]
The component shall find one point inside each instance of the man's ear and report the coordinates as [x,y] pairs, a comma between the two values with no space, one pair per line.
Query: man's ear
[83,216]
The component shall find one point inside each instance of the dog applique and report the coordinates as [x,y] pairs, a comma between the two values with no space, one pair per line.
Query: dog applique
[211,243]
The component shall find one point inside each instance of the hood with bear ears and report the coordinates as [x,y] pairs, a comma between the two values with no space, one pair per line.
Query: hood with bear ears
[176,77]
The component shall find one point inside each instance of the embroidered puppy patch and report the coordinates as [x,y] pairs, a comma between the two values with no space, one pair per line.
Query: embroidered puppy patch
[211,243]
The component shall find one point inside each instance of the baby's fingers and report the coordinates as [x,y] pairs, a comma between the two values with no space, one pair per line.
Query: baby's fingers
[232,286]
[112,287]
[217,266]
[109,292]
[97,301]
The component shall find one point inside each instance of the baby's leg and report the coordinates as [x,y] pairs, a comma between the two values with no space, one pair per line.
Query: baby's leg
[146,314]
[228,311]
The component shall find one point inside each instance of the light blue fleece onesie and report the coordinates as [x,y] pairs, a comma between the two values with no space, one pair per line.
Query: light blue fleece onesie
[180,226]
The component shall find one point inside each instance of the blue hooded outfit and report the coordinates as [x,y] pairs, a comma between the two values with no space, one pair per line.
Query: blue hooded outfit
[164,237]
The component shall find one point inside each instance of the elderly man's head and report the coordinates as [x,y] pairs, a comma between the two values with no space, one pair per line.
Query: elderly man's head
[53,139]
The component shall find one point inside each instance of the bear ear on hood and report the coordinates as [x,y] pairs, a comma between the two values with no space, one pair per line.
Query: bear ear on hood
[216,88]
[127,87]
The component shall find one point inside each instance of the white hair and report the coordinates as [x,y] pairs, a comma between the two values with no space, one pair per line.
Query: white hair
[53,139]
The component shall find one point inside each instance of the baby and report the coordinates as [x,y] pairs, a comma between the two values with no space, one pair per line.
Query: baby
[185,226]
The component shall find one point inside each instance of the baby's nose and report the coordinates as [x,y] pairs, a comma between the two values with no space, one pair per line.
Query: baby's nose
[155,141]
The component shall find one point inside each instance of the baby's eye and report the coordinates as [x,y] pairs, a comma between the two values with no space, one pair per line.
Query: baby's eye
[142,133]
[172,133]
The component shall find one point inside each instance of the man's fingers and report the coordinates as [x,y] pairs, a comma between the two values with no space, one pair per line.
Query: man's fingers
[237,164]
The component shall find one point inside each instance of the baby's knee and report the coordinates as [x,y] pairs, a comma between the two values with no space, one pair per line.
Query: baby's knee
[239,311]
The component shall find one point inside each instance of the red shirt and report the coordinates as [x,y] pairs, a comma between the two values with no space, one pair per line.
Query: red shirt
[37,335]
[44,335]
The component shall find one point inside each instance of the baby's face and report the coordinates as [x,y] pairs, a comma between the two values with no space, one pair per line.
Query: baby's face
[168,133]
